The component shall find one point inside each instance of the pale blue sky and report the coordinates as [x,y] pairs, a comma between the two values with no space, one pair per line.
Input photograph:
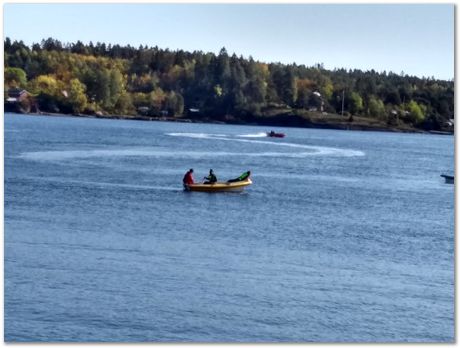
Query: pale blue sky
[415,38]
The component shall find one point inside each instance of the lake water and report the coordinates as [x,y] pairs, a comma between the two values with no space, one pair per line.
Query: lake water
[344,236]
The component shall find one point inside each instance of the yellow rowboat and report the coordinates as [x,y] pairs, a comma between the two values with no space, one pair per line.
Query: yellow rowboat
[219,186]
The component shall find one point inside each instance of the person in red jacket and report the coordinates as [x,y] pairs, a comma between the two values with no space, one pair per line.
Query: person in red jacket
[188,178]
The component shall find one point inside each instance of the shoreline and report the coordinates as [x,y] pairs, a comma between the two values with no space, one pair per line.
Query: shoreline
[255,121]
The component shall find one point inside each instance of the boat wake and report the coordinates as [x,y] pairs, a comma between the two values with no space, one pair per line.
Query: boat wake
[63,156]
[300,150]
[312,150]
[198,135]
[256,135]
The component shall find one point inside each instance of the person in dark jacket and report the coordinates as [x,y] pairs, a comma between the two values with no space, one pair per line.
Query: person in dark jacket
[242,177]
[211,178]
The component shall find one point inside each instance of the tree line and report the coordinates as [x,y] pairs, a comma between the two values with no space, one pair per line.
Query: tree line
[124,80]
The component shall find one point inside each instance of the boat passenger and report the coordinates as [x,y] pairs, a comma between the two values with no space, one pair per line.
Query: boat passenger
[211,178]
[242,177]
[188,178]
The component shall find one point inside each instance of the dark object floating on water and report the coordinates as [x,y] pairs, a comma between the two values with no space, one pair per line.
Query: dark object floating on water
[449,179]
[275,135]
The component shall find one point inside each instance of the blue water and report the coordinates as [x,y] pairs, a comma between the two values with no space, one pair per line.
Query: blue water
[344,236]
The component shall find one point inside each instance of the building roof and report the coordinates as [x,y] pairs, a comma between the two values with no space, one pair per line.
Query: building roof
[16,92]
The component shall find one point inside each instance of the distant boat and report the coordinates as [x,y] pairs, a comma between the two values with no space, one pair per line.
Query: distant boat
[449,178]
[275,135]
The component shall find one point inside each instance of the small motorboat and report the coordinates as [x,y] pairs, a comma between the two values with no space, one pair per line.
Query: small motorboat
[449,178]
[219,186]
[275,135]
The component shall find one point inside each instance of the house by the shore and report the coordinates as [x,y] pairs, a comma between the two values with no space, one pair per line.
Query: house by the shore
[16,95]
[17,100]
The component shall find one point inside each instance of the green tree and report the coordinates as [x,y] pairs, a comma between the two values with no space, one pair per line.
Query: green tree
[416,112]
[285,82]
[15,78]
[355,103]
[327,89]
[174,103]
[116,87]
[256,87]
[96,79]
[124,104]
[46,84]
[140,99]
[49,91]
[76,95]
[238,82]
[222,70]
[376,108]
[156,100]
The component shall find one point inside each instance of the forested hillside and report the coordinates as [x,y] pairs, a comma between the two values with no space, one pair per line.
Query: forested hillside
[123,80]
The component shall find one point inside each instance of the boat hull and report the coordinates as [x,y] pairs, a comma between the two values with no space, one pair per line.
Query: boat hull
[219,186]
[448,179]
[276,135]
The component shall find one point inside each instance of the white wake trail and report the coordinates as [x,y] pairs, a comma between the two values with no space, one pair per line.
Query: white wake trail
[305,151]
[256,135]
[313,150]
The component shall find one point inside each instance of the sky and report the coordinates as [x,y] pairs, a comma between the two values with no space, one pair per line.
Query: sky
[417,39]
